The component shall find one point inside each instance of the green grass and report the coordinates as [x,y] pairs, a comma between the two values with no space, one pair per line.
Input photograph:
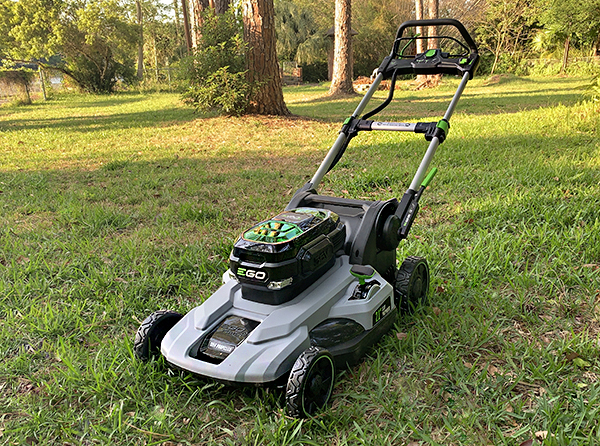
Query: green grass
[112,207]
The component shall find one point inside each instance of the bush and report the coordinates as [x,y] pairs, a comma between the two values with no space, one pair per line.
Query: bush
[314,72]
[216,74]
[222,90]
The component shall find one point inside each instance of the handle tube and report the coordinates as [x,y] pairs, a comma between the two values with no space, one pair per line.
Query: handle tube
[435,22]
[435,142]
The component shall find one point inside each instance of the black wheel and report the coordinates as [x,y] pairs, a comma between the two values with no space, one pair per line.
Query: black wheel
[310,383]
[151,333]
[412,284]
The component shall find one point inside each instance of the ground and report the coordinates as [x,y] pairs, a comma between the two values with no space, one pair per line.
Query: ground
[115,206]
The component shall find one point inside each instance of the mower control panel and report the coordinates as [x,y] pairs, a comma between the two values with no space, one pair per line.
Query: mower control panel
[433,61]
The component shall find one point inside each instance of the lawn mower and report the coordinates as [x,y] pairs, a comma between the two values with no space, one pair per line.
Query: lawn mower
[311,289]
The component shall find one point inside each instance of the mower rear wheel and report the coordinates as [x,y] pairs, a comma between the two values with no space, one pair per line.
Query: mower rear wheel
[310,383]
[412,284]
[151,333]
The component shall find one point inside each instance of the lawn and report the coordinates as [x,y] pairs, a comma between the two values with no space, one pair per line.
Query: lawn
[112,207]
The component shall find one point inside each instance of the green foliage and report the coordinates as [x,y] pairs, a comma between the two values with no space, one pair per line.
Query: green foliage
[96,42]
[593,89]
[376,23]
[505,32]
[216,73]
[298,36]
[578,20]
[21,77]
[314,72]
[222,90]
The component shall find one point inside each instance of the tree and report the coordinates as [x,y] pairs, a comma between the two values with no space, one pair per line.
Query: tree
[571,22]
[419,15]
[298,36]
[507,29]
[263,69]
[96,40]
[341,79]
[140,20]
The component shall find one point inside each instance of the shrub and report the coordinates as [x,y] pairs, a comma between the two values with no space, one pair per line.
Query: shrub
[216,73]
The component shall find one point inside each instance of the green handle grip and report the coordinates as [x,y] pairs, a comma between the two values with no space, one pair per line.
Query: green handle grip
[429,177]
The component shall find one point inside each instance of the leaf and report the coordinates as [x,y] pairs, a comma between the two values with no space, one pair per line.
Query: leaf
[579,362]
[527,442]
[436,311]
[401,336]
[571,356]
[541,435]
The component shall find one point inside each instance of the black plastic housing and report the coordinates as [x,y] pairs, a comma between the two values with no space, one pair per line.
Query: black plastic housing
[261,265]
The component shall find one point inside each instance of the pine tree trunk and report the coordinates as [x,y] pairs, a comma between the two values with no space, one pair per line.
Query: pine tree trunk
[433,30]
[140,61]
[198,8]
[565,60]
[186,25]
[221,6]
[341,79]
[434,6]
[420,29]
[259,34]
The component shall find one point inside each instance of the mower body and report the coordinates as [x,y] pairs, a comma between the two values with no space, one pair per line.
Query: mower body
[248,332]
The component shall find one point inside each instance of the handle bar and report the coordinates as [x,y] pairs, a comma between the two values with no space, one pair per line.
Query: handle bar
[435,22]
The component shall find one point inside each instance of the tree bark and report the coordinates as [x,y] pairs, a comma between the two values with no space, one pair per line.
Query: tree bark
[433,30]
[221,6]
[140,20]
[341,79]
[263,69]
[565,60]
[186,25]
[420,29]
[198,8]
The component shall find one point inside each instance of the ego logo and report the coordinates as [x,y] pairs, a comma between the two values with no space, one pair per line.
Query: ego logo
[251,274]
[382,311]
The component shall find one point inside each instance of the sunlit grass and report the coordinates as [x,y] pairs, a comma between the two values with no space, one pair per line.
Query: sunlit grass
[112,207]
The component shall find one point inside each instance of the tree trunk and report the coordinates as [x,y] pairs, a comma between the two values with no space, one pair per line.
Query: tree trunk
[186,25]
[565,60]
[434,6]
[341,79]
[259,34]
[420,29]
[198,8]
[221,6]
[140,20]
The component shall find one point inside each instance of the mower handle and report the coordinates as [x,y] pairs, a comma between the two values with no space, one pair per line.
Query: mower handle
[435,22]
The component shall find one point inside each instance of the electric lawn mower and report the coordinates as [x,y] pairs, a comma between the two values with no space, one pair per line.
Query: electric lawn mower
[311,289]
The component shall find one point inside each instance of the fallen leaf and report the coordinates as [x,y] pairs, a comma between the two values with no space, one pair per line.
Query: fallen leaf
[572,356]
[545,317]
[492,370]
[436,311]
[579,362]
[401,336]
[440,289]
[541,435]
[468,365]
[527,442]
[344,191]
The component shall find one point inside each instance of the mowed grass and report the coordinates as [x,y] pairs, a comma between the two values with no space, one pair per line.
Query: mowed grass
[113,207]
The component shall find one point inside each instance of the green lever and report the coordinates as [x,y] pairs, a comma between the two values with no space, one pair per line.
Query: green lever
[429,177]
[362,273]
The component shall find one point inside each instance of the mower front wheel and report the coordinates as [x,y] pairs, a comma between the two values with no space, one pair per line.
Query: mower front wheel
[151,333]
[310,383]
[412,284]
